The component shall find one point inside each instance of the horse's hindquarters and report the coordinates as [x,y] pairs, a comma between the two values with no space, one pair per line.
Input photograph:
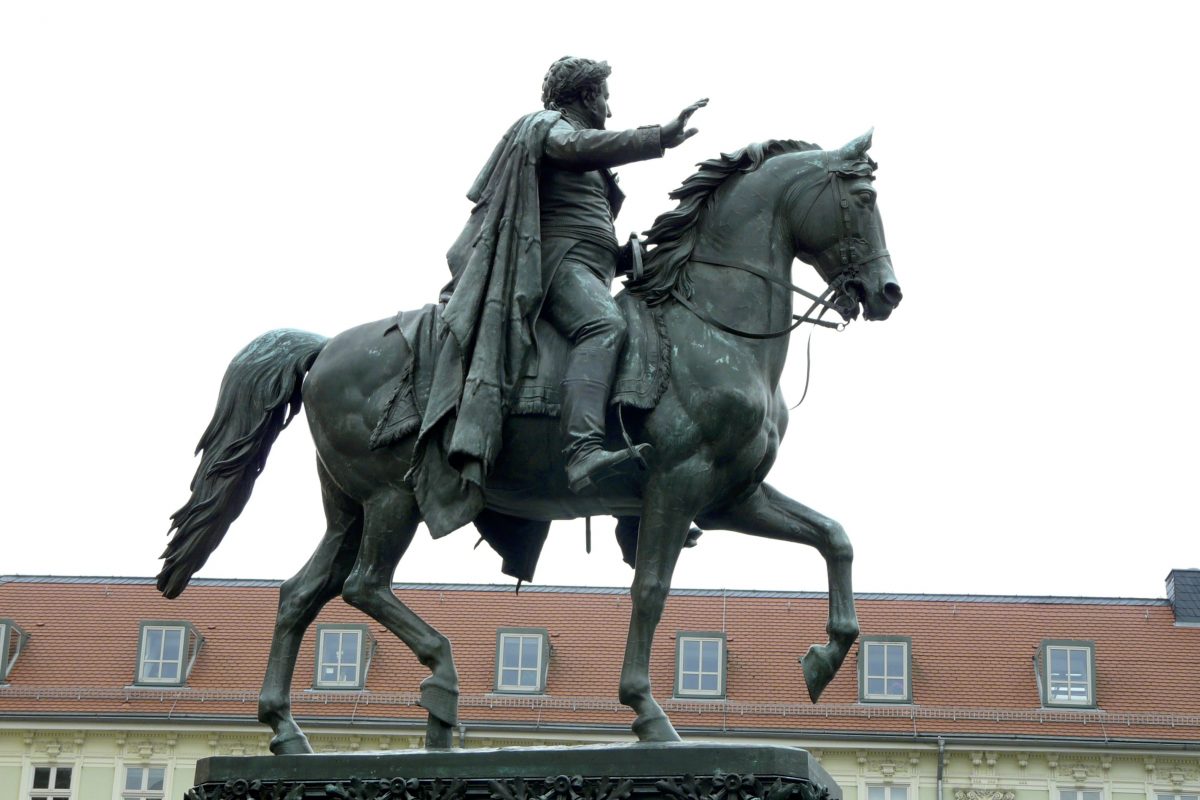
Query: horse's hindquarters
[346,393]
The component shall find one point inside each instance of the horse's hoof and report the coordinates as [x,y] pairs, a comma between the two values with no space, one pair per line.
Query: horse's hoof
[818,671]
[655,729]
[438,735]
[440,701]
[292,744]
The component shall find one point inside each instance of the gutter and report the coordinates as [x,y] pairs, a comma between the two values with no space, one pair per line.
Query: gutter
[616,731]
[941,768]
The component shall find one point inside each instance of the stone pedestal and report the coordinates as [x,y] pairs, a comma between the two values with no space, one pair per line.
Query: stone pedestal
[683,771]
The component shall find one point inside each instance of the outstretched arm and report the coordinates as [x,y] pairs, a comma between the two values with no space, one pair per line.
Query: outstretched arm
[598,149]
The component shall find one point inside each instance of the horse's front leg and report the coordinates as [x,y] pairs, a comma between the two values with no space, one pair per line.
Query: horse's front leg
[773,515]
[661,536]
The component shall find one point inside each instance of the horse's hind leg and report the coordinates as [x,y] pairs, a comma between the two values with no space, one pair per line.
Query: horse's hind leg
[301,597]
[773,515]
[391,520]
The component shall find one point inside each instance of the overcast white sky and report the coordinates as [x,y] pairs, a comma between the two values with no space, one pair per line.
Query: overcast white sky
[177,178]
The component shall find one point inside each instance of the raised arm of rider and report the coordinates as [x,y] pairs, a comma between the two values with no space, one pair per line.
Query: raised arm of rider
[591,149]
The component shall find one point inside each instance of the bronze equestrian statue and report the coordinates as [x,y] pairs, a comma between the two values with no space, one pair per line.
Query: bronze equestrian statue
[715,287]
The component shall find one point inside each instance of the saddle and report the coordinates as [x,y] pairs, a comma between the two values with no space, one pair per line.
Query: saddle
[642,376]
[642,373]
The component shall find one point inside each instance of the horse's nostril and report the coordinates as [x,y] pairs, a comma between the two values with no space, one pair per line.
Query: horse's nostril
[892,294]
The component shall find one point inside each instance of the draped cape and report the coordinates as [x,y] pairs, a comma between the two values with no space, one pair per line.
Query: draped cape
[486,333]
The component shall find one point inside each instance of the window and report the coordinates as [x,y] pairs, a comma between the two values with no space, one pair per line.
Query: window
[162,654]
[521,656]
[12,640]
[343,656]
[144,783]
[1192,796]
[1080,794]
[1067,677]
[700,665]
[51,783]
[890,792]
[884,670]
[166,653]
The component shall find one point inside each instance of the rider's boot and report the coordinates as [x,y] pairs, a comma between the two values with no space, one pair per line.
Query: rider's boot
[585,388]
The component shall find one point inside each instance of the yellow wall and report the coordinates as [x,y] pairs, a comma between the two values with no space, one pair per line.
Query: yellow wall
[99,753]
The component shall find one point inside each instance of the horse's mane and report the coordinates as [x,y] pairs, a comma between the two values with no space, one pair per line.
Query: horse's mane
[673,234]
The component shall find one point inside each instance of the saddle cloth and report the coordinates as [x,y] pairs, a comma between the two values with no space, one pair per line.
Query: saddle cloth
[642,373]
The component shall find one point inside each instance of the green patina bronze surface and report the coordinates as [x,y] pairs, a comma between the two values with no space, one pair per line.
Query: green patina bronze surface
[716,280]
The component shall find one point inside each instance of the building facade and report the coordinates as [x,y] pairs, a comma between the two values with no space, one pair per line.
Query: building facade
[108,691]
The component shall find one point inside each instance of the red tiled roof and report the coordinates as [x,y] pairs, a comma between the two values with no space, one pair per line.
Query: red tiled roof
[972,669]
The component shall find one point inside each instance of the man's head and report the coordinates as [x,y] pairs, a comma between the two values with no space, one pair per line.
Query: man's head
[579,84]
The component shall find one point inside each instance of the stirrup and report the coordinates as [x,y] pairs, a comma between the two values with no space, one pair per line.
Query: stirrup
[599,465]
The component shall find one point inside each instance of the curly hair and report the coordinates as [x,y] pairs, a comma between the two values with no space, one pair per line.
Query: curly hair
[570,78]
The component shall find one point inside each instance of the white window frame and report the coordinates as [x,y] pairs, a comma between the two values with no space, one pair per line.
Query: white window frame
[1087,682]
[1076,793]
[889,790]
[702,640]
[51,793]
[12,642]
[865,675]
[538,668]
[366,649]
[182,663]
[143,793]
[1173,795]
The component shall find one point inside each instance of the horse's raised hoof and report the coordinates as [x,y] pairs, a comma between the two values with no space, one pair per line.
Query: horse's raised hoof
[438,735]
[818,670]
[655,729]
[292,744]
[440,701]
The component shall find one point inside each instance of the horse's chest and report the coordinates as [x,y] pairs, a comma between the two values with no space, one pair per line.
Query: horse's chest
[733,416]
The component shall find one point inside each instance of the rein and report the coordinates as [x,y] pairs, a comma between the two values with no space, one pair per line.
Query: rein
[798,319]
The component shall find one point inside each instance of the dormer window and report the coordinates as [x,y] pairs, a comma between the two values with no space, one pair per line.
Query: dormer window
[1067,674]
[343,656]
[700,665]
[885,669]
[166,653]
[12,641]
[521,660]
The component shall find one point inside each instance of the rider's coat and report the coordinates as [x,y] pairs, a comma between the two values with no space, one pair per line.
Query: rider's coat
[547,172]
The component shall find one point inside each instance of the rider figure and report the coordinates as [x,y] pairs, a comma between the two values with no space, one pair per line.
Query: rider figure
[578,201]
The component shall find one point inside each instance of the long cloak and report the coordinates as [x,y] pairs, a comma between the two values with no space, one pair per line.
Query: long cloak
[486,329]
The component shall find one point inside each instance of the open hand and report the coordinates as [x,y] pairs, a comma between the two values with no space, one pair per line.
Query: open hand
[676,132]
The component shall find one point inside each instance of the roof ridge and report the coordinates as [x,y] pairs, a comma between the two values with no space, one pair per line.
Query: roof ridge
[617,590]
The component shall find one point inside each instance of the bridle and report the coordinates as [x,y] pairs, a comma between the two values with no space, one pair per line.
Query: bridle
[835,296]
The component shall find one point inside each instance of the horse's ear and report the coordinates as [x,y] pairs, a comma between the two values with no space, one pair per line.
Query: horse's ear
[857,149]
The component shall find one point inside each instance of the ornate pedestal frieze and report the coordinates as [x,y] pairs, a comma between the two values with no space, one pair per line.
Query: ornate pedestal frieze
[604,772]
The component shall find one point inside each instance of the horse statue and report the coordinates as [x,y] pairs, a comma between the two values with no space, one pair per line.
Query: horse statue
[719,272]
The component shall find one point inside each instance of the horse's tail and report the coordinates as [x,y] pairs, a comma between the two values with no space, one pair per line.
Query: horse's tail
[260,394]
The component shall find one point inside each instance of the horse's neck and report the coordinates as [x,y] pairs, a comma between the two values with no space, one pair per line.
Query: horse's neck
[741,299]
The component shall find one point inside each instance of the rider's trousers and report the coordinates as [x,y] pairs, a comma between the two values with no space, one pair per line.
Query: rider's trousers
[578,303]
